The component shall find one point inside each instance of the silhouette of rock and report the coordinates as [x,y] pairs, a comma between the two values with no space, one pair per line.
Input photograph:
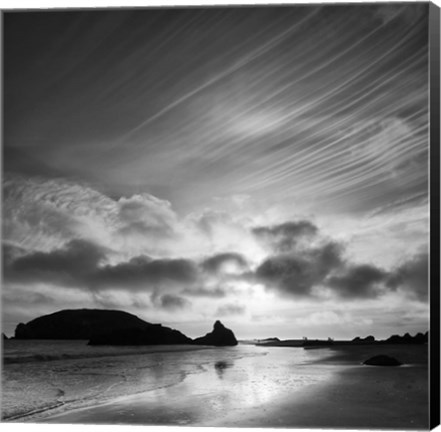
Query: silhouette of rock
[382,360]
[220,336]
[154,334]
[271,339]
[4,337]
[366,340]
[419,338]
[78,324]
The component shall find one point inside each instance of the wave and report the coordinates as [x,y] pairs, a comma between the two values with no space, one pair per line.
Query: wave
[38,357]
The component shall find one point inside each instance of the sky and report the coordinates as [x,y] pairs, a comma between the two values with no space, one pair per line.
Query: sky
[265,166]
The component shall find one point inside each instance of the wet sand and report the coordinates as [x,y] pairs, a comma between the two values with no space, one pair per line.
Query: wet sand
[344,394]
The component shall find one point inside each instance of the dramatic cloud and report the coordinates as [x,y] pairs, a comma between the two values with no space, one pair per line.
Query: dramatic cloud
[412,277]
[170,302]
[284,237]
[214,293]
[358,281]
[225,263]
[298,273]
[44,214]
[310,269]
[71,265]
[144,272]
[77,264]
[146,214]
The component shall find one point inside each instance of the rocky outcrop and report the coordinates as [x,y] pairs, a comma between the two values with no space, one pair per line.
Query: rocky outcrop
[366,340]
[382,360]
[155,334]
[407,339]
[112,327]
[4,337]
[79,324]
[220,336]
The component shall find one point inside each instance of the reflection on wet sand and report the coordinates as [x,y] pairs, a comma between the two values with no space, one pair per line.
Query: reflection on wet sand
[220,367]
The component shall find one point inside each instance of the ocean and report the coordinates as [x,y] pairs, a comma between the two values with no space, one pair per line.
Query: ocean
[44,378]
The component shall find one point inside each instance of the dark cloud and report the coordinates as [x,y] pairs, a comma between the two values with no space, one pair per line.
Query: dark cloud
[144,271]
[205,292]
[297,274]
[215,263]
[78,264]
[171,302]
[69,265]
[230,309]
[358,281]
[412,277]
[284,237]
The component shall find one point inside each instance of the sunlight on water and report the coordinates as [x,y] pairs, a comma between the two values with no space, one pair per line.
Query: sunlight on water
[224,378]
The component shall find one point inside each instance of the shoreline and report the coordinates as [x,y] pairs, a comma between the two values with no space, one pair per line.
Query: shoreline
[336,392]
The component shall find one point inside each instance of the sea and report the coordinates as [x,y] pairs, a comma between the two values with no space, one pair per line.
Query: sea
[42,379]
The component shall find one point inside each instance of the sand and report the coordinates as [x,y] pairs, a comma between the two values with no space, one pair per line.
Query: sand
[345,394]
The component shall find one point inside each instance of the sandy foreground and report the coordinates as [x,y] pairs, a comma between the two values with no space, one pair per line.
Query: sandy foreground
[345,394]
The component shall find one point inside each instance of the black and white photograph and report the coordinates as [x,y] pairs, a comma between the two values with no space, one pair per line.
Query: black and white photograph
[219,216]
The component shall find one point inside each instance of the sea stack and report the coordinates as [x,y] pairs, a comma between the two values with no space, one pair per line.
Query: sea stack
[220,336]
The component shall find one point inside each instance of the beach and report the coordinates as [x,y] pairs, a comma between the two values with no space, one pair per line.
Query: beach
[243,386]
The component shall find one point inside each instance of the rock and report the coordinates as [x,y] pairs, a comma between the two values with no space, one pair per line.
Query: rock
[366,340]
[407,339]
[154,334]
[4,337]
[220,336]
[382,360]
[78,324]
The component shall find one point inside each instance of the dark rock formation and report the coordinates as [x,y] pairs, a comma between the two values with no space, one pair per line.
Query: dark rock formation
[220,336]
[112,327]
[78,324]
[4,337]
[366,340]
[154,334]
[271,339]
[419,338]
[382,360]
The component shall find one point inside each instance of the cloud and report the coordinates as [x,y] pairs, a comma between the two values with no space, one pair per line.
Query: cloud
[146,214]
[144,272]
[230,309]
[224,262]
[412,277]
[358,281]
[70,265]
[403,14]
[298,273]
[292,258]
[209,292]
[284,237]
[171,302]
[44,214]
[78,264]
